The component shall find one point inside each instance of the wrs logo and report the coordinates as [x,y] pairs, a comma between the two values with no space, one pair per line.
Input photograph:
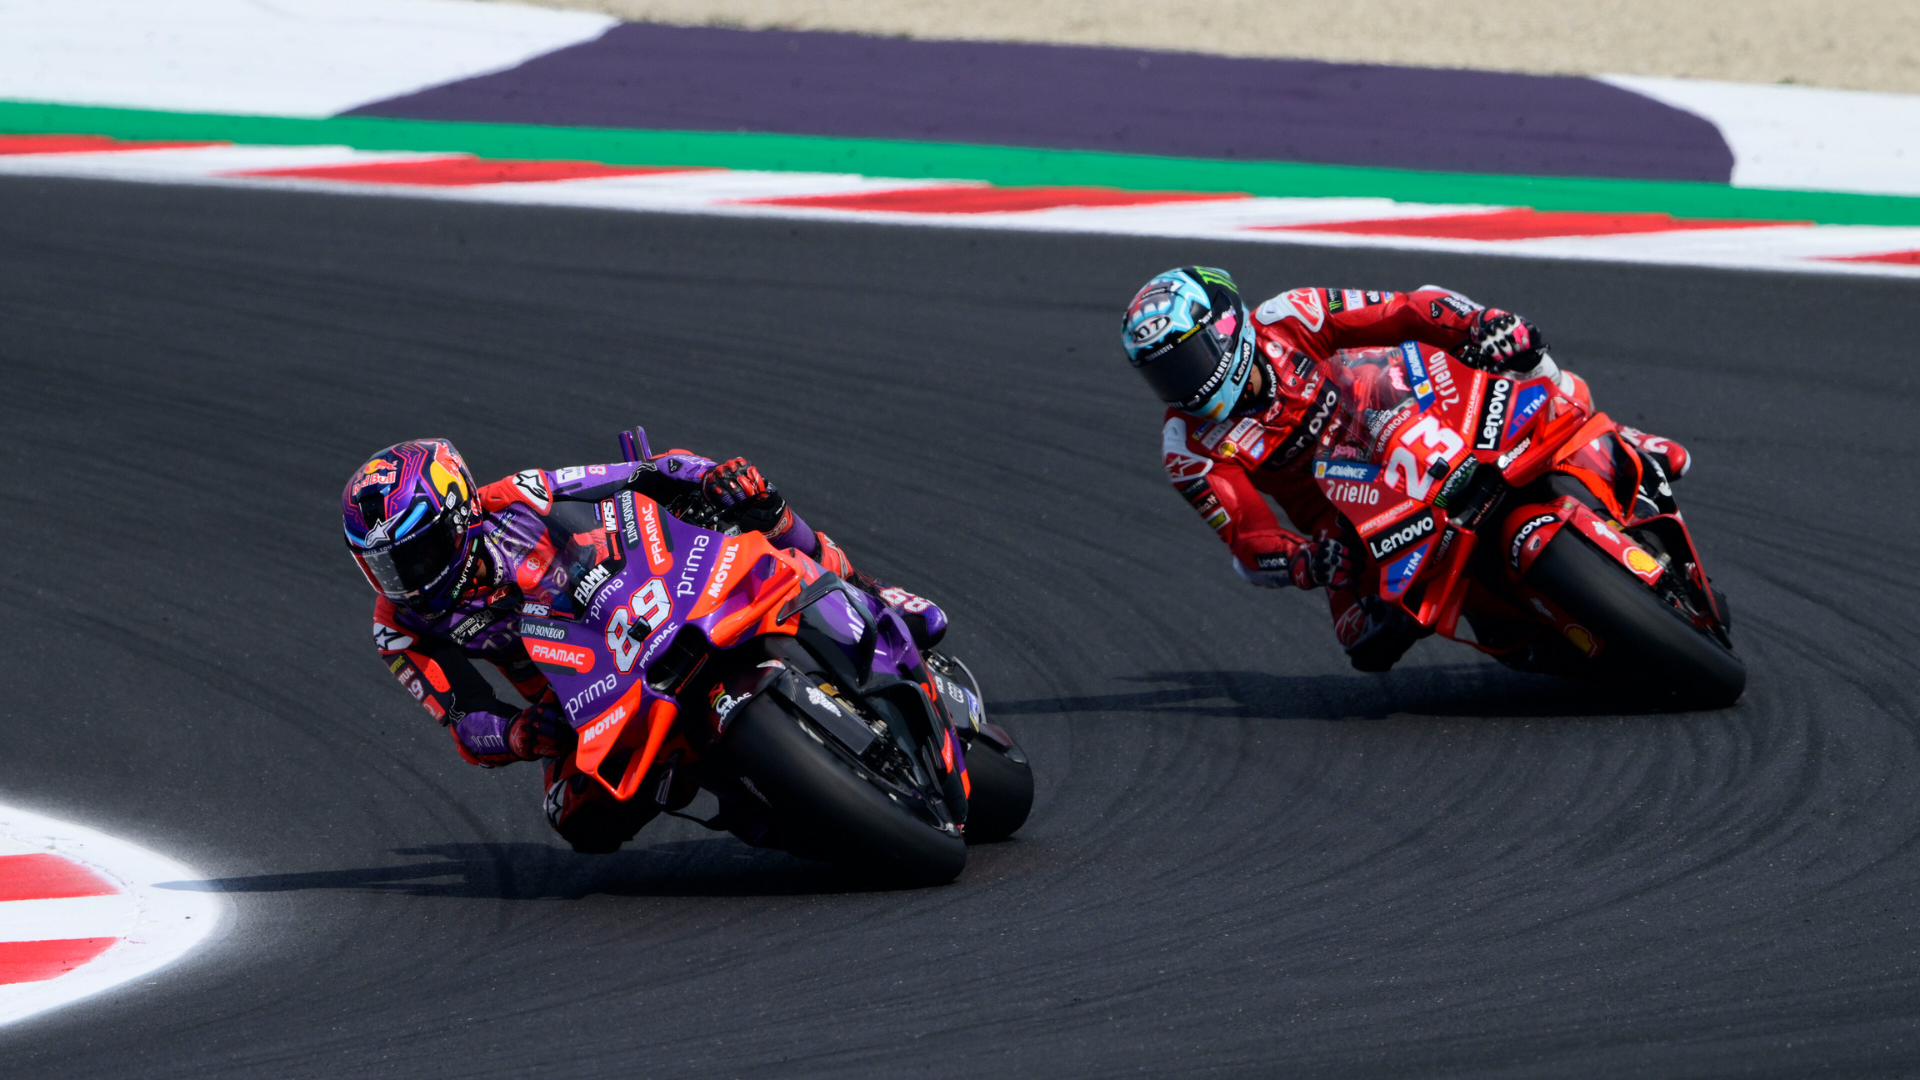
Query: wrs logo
[566,656]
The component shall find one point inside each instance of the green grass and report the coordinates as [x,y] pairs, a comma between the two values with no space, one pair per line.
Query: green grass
[995,164]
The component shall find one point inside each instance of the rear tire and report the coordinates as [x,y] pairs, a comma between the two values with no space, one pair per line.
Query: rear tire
[1648,644]
[825,810]
[1002,793]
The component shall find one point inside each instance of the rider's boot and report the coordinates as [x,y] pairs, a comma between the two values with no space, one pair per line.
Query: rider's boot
[1673,458]
[1374,633]
[924,619]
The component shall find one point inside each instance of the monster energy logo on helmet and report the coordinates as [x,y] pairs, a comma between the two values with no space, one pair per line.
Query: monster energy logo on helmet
[1188,335]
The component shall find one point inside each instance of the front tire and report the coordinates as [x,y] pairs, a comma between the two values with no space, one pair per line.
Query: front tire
[1002,794]
[1649,645]
[826,810]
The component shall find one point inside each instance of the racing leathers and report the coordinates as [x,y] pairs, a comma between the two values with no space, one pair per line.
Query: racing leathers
[537,532]
[1225,467]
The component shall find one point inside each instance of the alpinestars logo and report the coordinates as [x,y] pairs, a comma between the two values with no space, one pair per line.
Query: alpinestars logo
[1493,415]
[1413,529]
[533,487]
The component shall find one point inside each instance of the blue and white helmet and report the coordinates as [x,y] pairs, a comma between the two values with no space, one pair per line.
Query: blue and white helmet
[1187,333]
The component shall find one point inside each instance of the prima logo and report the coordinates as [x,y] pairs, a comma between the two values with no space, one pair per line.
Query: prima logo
[690,566]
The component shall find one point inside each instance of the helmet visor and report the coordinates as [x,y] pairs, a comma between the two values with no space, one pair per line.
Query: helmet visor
[1190,371]
[404,570]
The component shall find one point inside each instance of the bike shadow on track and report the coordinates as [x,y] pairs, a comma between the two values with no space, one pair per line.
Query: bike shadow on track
[1455,691]
[709,867]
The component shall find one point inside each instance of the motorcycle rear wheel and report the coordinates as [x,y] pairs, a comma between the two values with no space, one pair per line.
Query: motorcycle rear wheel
[1649,645]
[826,810]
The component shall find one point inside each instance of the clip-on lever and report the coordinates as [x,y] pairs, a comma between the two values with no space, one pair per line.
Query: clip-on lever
[633,445]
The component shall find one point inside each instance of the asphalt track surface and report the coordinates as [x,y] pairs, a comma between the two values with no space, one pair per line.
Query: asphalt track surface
[1244,859]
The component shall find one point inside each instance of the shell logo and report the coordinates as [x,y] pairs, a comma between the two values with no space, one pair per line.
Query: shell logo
[1642,563]
[1581,639]
[82,912]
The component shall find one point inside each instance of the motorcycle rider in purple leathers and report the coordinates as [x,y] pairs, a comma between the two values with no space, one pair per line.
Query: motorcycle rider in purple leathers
[455,565]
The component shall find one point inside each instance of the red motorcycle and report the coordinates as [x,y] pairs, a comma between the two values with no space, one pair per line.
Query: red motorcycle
[1507,513]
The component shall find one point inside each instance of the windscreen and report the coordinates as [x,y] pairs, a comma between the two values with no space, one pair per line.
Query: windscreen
[1375,392]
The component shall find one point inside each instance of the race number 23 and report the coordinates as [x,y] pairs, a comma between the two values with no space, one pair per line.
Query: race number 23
[1443,441]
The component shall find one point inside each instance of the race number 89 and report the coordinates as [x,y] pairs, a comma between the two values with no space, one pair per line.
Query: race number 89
[651,607]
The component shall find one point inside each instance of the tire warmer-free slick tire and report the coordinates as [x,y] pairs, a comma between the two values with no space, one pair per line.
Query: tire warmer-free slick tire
[1649,645]
[1002,794]
[829,811]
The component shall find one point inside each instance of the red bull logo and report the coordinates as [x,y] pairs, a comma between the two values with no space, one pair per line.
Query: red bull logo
[373,474]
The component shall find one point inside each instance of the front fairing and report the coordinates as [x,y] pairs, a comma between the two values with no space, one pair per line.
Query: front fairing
[1396,454]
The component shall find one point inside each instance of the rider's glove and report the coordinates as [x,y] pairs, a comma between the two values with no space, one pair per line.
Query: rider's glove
[1502,341]
[738,490]
[1320,562]
[539,732]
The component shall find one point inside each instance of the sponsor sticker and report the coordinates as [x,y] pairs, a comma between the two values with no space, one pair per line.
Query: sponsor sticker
[603,724]
[687,583]
[1642,563]
[1402,571]
[1311,427]
[589,584]
[1493,415]
[1379,521]
[653,537]
[374,473]
[1398,536]
[1353,494]
[1513,455]
[1358,471]
[591,693]
[557,654]
[1238,437]
[1417,379]
[1525,404]
[529,628]
[1525,538]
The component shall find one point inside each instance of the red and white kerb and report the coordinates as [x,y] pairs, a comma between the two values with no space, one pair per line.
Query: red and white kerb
[82,912]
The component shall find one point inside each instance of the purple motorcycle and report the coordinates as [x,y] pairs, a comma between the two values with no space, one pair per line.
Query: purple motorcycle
[702,658]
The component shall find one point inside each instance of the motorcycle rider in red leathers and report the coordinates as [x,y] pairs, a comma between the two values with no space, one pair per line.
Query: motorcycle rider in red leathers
[1249,395]
[455,565]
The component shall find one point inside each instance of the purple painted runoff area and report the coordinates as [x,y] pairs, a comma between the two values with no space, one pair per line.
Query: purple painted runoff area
[1074,97]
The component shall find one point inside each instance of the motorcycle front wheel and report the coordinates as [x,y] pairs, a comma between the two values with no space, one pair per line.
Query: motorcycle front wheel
[826,809]
[1002,794]
[1648,644]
